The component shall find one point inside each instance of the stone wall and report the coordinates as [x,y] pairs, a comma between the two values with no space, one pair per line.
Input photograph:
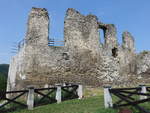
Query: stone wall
[83,58]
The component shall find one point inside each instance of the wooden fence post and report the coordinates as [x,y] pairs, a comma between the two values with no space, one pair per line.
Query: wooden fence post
[58,94]
[143,90]
[30,100]
[80,91]
[107,97]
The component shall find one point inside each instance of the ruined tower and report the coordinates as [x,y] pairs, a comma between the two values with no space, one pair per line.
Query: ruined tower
[81,32]
[128,41]
[82,59]
[38,27]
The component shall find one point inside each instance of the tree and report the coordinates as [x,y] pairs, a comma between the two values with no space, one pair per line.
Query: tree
[3,82]
[3,76]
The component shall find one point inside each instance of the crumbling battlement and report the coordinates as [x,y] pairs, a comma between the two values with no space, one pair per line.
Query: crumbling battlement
[83,58]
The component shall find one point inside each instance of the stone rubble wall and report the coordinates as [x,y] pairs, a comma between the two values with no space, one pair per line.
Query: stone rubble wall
[143,63]
[83,58]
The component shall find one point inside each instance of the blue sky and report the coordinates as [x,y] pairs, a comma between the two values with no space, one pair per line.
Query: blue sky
[131,15]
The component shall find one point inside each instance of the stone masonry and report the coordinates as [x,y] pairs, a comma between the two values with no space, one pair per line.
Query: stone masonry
[83,58]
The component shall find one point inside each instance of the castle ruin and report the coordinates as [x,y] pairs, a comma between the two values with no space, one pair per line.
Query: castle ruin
[83,59]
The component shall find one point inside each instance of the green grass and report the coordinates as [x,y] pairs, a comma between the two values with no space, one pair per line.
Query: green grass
[87,105]
[91,103]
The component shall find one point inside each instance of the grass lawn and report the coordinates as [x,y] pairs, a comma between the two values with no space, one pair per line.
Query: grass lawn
[92,103]
[87,105]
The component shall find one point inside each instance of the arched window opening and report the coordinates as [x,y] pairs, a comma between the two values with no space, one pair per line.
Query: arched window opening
[114,52]
[102,38]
